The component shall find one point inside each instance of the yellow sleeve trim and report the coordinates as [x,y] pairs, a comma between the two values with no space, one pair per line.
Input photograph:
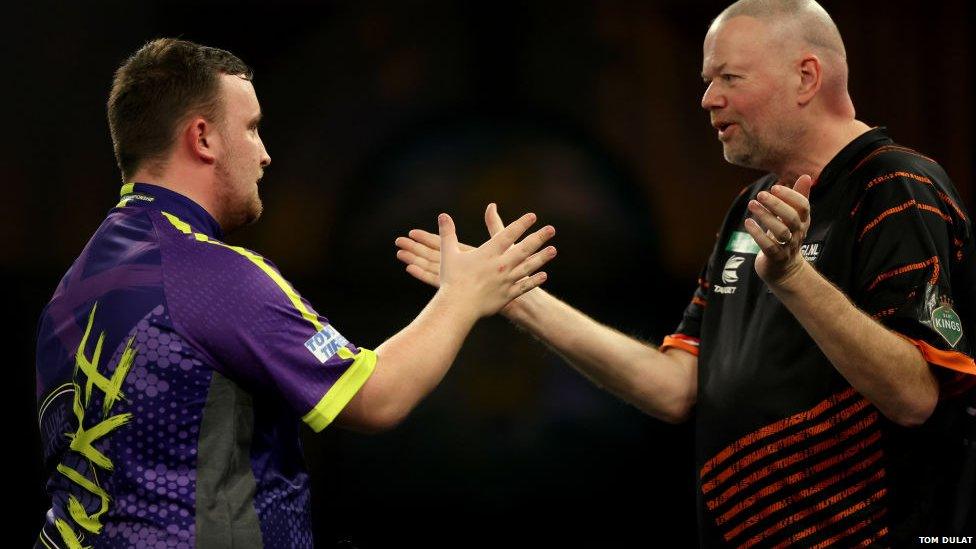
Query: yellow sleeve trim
[342,392]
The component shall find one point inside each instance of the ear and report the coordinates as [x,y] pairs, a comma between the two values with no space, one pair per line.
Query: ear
[811,78]
[201,140]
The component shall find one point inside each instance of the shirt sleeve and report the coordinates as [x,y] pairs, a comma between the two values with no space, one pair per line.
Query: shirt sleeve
[236,307]
[909,240]
[687,336]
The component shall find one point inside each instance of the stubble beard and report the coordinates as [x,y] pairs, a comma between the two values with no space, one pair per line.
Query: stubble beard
[237,210]
[755,153]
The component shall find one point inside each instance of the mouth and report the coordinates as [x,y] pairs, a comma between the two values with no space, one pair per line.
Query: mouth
[723,128]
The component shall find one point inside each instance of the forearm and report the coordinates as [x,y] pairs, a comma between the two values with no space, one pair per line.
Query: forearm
[411,363]
[885,368]
[660,384]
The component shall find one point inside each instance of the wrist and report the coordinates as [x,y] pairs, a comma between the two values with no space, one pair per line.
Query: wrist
[519,310]
[792,279]
[456,304]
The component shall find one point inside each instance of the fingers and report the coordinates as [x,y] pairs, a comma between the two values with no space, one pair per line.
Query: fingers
[431,241]
[493,220]
[412,259]
[526,284]
[509,235]
[803,185]
[421,236]
[426,277]
[786,213]
[418,249]
[447,231]
[768,246]
[794,199]
[534,262]
[528,246]
[780,231]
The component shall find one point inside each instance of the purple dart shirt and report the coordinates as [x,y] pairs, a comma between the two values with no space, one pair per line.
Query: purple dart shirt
[172,370]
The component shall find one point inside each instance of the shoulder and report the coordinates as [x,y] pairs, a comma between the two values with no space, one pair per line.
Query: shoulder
[891,158]
[894,169]
[894,176]
[210,277]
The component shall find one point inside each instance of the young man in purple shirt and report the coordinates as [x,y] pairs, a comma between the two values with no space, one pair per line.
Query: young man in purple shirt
[172,368]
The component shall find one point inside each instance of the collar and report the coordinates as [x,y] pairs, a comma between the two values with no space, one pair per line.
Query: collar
[849,156]
[145,195]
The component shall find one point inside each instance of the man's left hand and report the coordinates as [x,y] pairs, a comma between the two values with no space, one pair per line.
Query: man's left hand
[779,224]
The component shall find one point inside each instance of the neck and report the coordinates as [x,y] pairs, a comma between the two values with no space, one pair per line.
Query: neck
[818,147]
[190,183]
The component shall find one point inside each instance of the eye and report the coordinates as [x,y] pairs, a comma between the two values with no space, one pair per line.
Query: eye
[729,77]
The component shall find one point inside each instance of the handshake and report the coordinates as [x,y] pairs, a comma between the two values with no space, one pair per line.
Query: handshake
[484,280]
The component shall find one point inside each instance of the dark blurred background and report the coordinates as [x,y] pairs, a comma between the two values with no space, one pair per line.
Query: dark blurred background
[379,115]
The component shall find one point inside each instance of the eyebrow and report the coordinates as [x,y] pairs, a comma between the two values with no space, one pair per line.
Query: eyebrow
[718,70]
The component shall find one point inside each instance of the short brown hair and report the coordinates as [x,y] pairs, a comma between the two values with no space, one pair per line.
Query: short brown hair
[159,86]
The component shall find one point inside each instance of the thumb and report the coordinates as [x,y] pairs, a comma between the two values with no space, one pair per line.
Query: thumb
[492,220]
[447,232]
[803,185]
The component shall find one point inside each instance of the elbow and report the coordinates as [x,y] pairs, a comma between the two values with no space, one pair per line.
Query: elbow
[381,419]
[675,411]
[677,414]
[916,412]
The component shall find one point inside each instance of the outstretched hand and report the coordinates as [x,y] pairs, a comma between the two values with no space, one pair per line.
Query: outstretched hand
[490,276]
[779,224]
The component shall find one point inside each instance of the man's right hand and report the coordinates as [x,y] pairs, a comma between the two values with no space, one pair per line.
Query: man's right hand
[488,277]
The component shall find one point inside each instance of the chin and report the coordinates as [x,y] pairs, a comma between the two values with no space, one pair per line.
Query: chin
[738,159]
[254,212]
[744,159]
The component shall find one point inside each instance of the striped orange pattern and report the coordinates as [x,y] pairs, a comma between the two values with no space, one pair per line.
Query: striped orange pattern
[934,261]
[945,198]
[824,457]
[891,148]
[774,428]
[892,175]
[819,507]
[793,459]
[799,476]
[888,177]
[898,209]
[852,530]
[915,177]
[881,533]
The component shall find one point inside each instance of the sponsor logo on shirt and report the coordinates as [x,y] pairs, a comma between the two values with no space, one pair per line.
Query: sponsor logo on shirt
[947,323]
[811,250]
[326,343]
[135,196]
[730,274]
[741,242]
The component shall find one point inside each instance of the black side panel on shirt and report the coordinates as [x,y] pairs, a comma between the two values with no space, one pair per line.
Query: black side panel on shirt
[225,481]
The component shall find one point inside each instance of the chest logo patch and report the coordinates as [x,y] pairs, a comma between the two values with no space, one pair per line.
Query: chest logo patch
[730,274]
[811,250]
[326,343]
[947,323]
[741,242]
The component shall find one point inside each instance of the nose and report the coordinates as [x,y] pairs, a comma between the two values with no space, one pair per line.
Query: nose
[265,157]
[712,98]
